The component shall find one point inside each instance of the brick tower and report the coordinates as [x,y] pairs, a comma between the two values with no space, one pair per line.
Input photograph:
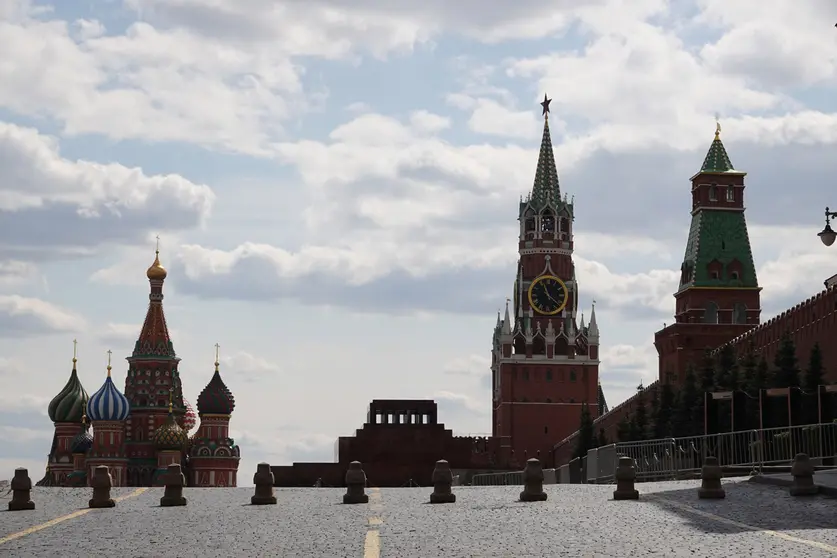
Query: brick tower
[545,362]
[214,456]
[718,296]
[152,372]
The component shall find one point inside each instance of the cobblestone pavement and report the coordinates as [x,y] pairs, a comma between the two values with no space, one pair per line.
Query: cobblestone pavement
[577,520]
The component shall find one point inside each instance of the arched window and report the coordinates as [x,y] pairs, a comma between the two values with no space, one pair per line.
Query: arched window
[739,313]
[572,375]
[710,313]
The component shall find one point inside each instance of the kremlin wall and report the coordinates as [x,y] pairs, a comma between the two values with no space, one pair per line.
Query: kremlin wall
[544,362]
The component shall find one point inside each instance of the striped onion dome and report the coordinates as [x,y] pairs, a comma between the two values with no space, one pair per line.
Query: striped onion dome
[108,403]
[68,405]
[170,436]
[190,419]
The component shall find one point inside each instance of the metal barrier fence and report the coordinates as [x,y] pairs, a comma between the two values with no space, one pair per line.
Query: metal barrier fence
[672,458]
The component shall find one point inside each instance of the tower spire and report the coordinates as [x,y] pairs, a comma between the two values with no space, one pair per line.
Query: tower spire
[546,188]
[716,159]
[154,337]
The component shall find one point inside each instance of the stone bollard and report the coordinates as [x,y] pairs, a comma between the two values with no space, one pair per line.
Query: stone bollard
[355,485]
[533,482]
[263,479]
[710,480]
[101,483]
[21,491]
[625,477]
[442,482]
[174,481]
[803,476]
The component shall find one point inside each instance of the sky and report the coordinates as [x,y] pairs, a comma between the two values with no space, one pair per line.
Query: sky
[335,187]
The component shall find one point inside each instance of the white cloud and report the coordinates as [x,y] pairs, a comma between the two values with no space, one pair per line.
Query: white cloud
[471,365]
[48,201]
[248,366]
[25,316]
[17,272]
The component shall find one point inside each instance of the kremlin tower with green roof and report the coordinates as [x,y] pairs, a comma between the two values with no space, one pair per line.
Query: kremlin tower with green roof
[718,296]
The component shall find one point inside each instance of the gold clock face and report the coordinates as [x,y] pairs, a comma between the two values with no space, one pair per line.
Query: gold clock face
[548,295]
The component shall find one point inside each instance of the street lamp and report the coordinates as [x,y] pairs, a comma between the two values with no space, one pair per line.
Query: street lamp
[828,236]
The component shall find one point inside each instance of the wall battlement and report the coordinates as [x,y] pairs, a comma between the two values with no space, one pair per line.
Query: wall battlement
[563,450]
[811,321]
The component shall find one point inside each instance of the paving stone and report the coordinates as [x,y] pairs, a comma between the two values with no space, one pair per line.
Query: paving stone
[576,520]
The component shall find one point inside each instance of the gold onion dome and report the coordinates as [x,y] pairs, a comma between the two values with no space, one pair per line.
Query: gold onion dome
[156,272]
[170,436]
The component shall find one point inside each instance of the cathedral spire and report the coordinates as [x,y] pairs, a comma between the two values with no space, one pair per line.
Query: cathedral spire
[546,188]
[154,340]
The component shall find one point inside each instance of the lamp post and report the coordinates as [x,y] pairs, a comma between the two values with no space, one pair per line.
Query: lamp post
[828,236]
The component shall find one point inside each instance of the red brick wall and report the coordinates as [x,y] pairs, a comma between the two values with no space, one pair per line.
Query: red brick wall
[562,452]
[809,322]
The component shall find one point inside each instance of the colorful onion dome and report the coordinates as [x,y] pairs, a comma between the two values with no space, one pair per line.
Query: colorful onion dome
[216,398]
[156,271]
[83,440]
[190,419]
[108,404]
[68,405]
[170,436]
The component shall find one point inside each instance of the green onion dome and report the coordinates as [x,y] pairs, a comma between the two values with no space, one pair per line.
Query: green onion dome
[70,403]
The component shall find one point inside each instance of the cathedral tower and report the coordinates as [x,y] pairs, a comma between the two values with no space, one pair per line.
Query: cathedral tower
[718,297]
[66,411]
[545,359]
[152,372]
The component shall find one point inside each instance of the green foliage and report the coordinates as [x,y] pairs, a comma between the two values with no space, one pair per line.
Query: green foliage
[665,411]
[688,403]
[639,420]
[815,373]
[586,433]
[623,430]
[786,365]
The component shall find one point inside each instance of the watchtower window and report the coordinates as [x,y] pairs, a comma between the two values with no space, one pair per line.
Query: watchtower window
[549,375]
[730,194]
[710,313]
[713,193]
[739,313]
[572,375]
[734,275]
[713,274]
[547,222]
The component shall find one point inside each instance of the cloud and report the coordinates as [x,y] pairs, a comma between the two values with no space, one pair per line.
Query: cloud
[16,272]
[48,202]
[248,367]
[22,317]
[452,407]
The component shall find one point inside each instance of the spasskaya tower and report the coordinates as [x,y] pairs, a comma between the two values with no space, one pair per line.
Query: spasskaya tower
[545,359]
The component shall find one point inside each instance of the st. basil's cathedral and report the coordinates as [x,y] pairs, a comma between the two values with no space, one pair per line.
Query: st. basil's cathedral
[138,433]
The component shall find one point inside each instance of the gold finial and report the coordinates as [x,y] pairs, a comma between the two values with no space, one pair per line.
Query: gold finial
[156,271]
[217,354]
[717,127]
[75,352]
[171,391]
[109,368]
[84,418]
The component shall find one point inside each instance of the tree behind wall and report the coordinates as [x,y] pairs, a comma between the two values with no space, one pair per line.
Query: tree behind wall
[639,420]
[586,433]
[688,403]
[814,377]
